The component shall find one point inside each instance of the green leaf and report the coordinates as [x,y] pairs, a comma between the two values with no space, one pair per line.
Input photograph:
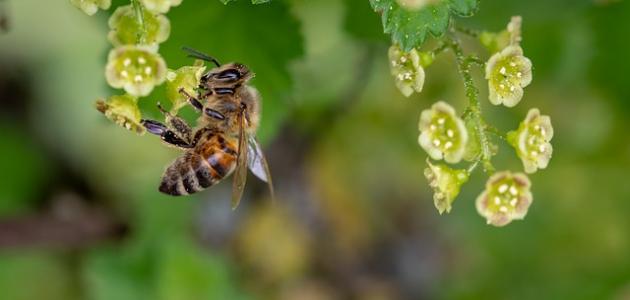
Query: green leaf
[223,32]
[410,28]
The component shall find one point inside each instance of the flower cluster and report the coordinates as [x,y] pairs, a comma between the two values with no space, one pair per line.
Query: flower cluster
[134,64]
[446,136]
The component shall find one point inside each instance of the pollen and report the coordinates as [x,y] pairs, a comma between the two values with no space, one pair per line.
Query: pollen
[497,200]
[504,187]
[503,209]
[441,121]
[450,133]
[436,142]
[147,70]
[513,191]
[124,73]
[502,71]
[432,127]
[513,202]
[141,60]
[137,78]
[448,145]
[127,62]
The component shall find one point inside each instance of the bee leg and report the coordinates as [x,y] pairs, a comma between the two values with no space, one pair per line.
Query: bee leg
[167,135]
[177,124]
[192,100]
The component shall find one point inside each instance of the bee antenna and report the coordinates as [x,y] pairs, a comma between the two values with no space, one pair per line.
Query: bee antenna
[200,55]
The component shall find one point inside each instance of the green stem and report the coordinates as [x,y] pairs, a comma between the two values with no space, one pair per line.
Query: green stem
[473,112]
[467,31]
[138,12]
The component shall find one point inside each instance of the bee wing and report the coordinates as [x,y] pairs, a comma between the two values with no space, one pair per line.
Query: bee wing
[257,162]
[240,174]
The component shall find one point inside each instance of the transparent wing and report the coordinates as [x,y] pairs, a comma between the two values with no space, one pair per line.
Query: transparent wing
[240,174]
[257,162]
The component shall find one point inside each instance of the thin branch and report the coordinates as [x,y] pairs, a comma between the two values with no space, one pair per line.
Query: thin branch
[472,93]
[139,13]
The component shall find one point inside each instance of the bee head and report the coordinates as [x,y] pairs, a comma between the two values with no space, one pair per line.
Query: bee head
[232,73]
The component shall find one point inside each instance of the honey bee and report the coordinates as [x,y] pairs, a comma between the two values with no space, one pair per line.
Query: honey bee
[224,140]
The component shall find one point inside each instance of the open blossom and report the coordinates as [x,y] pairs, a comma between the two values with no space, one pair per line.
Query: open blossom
[160,6]
[507,197]
[137,69]
[90,7]
[407,70]
[508,72]
[442,133]
[125,29]
[122,110]
[532,141]
[446,184]
[186,78]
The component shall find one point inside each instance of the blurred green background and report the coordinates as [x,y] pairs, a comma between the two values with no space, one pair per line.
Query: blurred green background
[81,218]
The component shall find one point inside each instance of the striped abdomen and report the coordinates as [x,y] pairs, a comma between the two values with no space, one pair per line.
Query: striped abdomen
[201,167]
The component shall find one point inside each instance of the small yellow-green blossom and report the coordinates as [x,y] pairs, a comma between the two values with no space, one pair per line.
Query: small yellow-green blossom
[413,5]
[137,69]
[122,110]
[407,70]
[508,72]
[442,133]
[498,41]
[160,6]
[507,197]
[446,184]
[186,78]
[532,141]
[90,7]
[125,29]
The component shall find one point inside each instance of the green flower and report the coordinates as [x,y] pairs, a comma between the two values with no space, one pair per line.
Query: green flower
[508,72]
[125,29]
[442,133]
[90,7]
[414,5]
[137,69]
[160,6]
[446,184]
[532,141]
[407,70]
[185,77]
[507,197]
[122,110]
[495,42]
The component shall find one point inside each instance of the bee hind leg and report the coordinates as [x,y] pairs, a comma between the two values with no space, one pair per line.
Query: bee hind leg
[167,135]
[177,124]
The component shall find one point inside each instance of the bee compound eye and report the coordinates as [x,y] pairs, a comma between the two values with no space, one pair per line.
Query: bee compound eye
[230,74]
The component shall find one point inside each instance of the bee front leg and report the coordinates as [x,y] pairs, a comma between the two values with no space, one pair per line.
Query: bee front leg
[167,135]
[192,100]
